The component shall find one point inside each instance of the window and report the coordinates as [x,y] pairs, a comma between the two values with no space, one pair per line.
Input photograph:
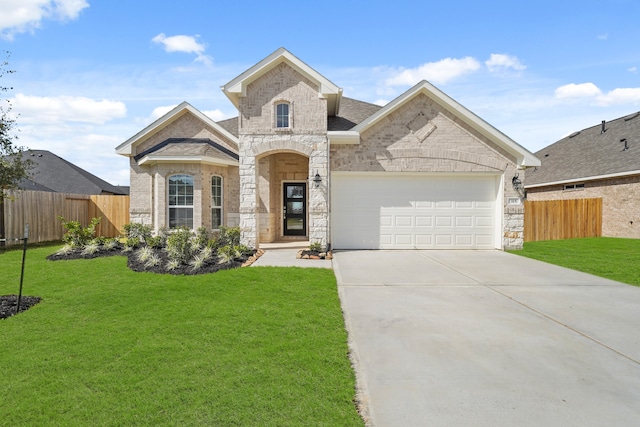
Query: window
[282,115]
[574,186]
[180,201]
[216,202]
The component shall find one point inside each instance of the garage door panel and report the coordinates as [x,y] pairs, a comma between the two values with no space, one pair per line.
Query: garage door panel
[390,211]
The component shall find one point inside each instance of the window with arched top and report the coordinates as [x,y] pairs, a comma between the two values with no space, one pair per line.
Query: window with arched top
[216,202]
[181,201]
[283,115]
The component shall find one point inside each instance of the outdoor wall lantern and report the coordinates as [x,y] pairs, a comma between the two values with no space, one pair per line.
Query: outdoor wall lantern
[517,184]
[317,180]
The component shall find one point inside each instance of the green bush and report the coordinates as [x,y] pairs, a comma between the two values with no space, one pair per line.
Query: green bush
[316,247]
[179,246]
[202,237]
[137,230]
[156,242]
[229,236]
[76,235]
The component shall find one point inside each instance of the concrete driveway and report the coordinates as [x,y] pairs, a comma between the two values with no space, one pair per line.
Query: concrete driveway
[487,338]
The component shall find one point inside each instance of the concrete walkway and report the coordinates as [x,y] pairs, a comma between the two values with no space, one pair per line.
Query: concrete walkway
[487,338]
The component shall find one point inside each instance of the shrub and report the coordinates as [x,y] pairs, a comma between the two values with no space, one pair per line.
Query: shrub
[110,244]
[156,242]
[229,236]
[202,237]
[138,230]
[197,262]
[172,264]
[316,247]
[144,254]
[131,243]
[76,235]
[91,248]
[179,246]
[153,261]
[226,254]
[65,250]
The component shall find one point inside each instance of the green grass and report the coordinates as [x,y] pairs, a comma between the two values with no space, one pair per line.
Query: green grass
[107,346]
[612,258]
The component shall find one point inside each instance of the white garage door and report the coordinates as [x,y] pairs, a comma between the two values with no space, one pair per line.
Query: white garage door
[385,211]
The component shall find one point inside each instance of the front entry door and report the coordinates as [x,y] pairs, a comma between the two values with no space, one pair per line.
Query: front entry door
[294,211]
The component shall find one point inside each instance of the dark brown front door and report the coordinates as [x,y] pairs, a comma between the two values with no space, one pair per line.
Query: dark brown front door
[295,209]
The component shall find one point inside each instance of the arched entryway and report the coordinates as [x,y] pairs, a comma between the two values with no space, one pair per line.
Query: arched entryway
[282,196]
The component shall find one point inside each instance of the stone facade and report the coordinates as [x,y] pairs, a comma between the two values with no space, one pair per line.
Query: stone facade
[620,202]
[259,138]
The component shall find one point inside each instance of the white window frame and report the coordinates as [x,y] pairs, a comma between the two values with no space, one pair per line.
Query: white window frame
[289,116]
[573,187]
[177,206]
[214,206]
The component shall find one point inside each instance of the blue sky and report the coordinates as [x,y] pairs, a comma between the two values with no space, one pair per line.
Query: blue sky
[90,74]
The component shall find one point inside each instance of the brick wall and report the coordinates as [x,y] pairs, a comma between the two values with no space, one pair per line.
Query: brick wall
[620,202]
[423,137]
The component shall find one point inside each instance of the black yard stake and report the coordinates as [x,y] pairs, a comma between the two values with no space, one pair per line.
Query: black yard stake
[24,255]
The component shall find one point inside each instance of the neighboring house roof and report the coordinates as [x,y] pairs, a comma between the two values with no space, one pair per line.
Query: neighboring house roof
[53,173]
[591,154]
[188,150]
[126,148]
[237,87]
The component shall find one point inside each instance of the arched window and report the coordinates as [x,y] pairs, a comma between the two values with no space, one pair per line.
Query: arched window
[216,202]
[180,201]
[282,115]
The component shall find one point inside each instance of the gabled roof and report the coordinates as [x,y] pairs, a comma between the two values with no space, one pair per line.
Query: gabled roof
[188,150]
[53,173]
[237,87]
[591,154]
[524,158]
[126,148]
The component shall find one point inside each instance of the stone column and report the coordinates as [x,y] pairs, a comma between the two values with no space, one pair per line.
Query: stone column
[248,199]
[319,196]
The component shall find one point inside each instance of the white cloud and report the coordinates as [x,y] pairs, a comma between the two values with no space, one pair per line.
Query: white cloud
[604,36]
[618,96]
[161,111]
[633,70]
[439,72]
[630,95]
[184,44]
[39,109]
[580,90]
[216,114]
[499,62]
[381,102]
[19,16]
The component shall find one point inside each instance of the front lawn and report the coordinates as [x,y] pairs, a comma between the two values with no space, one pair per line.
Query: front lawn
[108,346]
[612,258]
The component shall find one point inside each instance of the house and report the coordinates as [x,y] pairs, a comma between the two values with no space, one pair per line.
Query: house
[602,161]
[302,162]
[55,174]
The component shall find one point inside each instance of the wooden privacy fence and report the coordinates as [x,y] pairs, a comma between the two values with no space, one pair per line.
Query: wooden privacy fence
[562,219]
[41,209]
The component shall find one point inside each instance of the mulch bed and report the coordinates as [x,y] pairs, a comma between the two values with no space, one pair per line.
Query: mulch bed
[8,304]
[211,265]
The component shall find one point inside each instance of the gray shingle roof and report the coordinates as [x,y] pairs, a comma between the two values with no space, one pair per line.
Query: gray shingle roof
[590,153]
[53,173]
[190,146]
[352,112]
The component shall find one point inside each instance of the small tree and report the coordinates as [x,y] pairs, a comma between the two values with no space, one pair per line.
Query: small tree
[13,167]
